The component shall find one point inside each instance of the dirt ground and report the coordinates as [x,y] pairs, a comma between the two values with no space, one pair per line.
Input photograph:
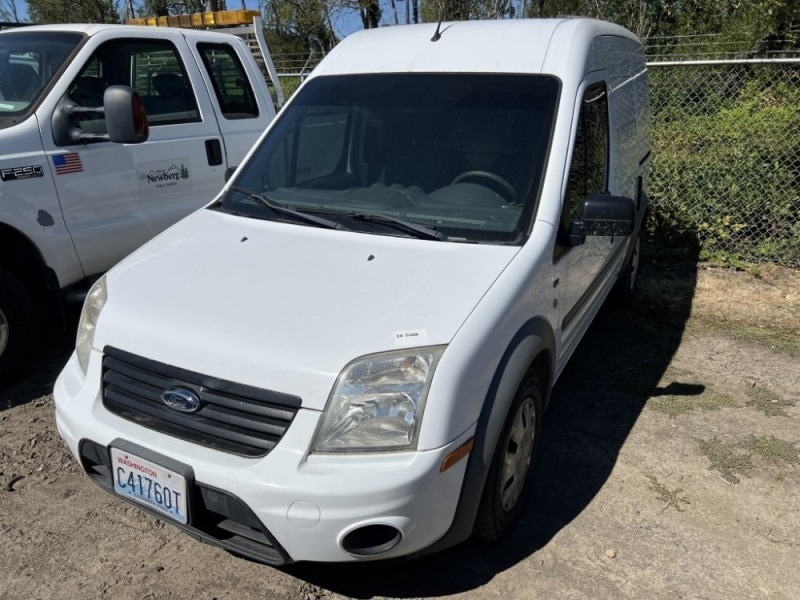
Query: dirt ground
[668,468]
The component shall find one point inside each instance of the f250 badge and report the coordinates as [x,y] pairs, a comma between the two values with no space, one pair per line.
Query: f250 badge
[14,173]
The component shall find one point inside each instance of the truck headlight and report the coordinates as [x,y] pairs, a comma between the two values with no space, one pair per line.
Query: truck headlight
[94,303]
[377,402]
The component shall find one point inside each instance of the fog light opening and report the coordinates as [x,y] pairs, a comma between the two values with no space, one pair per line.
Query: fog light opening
[371,540]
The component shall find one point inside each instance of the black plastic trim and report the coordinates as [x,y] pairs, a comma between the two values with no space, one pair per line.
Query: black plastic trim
[573,312]
[232,417]
[477,470]
[216,517]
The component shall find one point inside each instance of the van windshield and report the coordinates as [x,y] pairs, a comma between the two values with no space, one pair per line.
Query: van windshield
[461,154]
[28,61]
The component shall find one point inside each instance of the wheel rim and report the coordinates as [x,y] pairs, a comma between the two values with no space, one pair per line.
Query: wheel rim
[518,453]
[3,332]
[634,264]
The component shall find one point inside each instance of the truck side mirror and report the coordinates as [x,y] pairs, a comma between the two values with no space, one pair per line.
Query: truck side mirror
[125,117]
[603,215]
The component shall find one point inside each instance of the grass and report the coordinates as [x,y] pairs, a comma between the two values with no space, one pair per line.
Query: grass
[670,498]
[676,405]
[779,339]
[727,459]
[735,459]
[768,402]
[774,450]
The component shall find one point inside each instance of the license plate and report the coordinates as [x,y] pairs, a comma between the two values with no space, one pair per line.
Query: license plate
[150,484]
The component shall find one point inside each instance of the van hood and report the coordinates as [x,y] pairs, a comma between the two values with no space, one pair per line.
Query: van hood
[286,307]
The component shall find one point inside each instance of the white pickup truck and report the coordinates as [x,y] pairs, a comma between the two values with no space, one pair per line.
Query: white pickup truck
[81,187]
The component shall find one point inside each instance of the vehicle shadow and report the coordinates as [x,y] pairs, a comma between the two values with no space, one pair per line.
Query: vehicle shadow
[37,375]
[617,367]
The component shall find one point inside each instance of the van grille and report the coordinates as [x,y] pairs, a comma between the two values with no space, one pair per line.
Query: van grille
[232,417]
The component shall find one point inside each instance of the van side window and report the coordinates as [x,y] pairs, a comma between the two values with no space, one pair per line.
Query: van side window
[151,67]
[231,86]
[588,172]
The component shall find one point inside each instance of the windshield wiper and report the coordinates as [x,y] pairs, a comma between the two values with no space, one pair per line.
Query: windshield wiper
[416,229]
[285,210]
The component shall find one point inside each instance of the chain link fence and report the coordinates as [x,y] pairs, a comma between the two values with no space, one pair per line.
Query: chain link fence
[726,157]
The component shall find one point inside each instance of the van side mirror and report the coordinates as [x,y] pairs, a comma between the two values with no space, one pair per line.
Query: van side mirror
[603,215]
[125,119]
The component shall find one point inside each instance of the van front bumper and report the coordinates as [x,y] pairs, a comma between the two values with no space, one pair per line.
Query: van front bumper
[287,506]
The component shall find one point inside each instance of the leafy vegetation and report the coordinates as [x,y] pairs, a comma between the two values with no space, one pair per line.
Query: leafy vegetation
[726,164]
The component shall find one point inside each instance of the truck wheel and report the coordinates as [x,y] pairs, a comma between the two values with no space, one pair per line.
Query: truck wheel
[509,473]
[18,325]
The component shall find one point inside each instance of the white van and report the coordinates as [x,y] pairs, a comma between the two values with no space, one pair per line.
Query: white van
[347,355]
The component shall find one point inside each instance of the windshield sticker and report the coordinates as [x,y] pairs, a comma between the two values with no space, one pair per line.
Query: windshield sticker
[14,173]
[410,337]
[164,176]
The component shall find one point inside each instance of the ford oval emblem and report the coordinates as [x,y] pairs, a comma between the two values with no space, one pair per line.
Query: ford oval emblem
[181,399]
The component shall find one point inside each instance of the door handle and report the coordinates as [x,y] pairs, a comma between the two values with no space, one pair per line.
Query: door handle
[214,152]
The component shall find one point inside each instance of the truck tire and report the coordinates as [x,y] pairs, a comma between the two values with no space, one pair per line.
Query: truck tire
[509,473]
[18,325]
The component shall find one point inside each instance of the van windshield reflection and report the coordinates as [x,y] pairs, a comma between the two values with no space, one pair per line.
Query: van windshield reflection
[460,153]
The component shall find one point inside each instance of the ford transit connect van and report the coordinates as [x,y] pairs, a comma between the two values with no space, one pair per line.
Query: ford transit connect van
[347,355]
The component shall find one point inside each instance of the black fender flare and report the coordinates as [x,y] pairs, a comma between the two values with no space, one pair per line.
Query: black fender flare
[533,342]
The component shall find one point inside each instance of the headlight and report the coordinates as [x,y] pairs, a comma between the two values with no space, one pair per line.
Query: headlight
[95,301]
[377,402]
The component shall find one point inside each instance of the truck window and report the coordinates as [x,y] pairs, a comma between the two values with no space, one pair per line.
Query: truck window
[152,67]
[588,172]
[28,62]
[231,86]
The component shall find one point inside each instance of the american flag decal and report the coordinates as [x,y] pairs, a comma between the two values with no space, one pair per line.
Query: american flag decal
[68,163]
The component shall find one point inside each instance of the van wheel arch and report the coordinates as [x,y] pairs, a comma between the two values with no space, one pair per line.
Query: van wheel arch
[509,477]
[537,339]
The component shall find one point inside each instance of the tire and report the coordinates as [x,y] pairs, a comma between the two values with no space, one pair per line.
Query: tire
[626,285]
[509,473]
[19,327]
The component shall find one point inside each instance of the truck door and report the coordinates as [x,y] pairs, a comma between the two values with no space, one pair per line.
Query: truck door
[115,197]
[238,91]
[580,268]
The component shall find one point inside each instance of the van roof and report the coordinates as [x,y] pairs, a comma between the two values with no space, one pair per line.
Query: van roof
[530,46]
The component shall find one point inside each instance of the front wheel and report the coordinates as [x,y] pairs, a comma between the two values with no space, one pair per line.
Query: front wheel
[509,473]
[18,325]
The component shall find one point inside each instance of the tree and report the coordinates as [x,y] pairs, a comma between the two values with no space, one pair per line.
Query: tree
[8,11]
[463,10]
[294,26]
[73,11]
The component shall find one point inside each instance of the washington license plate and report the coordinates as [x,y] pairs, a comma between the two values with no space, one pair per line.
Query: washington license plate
[150,484]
